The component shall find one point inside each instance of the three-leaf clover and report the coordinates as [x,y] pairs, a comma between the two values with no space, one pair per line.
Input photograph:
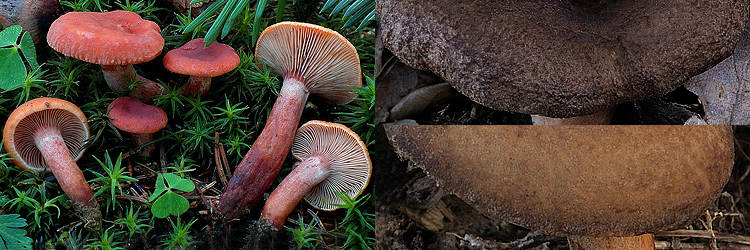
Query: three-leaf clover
[12,67]
[12,234]
[165,201]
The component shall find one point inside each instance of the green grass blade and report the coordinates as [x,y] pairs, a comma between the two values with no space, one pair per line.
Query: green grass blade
[355,7]
[360,15]
[369,18]
[256,22]
[280,10]
[213,32]
[341,6]
[235,13]
[205,15]
[328,5]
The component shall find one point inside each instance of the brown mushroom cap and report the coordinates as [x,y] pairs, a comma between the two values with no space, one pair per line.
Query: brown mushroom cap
[348,158]
[561,58]
[576,180]
[109,38]
[132,116]
[321,58]
[19,130]
[194,59]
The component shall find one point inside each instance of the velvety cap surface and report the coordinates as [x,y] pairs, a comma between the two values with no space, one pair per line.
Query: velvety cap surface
[576,180]
[321,58]
[109,38]
[561,58]
[133,116]
[195,59]
[18,134]
[345,152]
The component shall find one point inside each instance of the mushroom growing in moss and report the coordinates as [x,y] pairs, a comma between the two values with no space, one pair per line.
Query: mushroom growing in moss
[332,158]
[48,134]
[313,60]
[139,119]
[116,40]
[201,63]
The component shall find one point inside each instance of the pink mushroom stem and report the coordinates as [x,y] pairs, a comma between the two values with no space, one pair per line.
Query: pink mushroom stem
[52,146]
[293,188]
[118,76]
[197,85]
[262,163]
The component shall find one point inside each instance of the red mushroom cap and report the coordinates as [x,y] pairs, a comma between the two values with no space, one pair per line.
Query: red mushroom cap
[133,116]
[195,59]
[109,38]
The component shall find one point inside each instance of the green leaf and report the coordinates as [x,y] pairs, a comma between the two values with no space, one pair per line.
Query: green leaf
[179,183]
[28,50]
[12,69]
[12,234]
[169,203]
[256,22]
[160,188]
[9,36]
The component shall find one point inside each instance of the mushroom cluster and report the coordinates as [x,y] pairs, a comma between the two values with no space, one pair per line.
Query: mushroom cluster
[313,60]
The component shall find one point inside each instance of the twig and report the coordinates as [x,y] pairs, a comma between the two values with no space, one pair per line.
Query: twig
[723,237]
[221,160]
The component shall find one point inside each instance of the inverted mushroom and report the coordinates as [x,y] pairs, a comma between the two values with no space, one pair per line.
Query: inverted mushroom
[48,134]
[332,158]
[595,184]
[34,16]
[201,63]
[561,58]
[116,40]
[138,119]
[313,60]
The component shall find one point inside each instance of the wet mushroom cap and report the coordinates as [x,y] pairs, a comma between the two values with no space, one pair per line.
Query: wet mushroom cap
[21,124]
[576,180]
[345,152]
[132,116]
[194,59]
[109,38]
[561,58]
[321,58]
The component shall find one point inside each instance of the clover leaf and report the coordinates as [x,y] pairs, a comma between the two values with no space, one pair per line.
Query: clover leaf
[165,201]
[13,44]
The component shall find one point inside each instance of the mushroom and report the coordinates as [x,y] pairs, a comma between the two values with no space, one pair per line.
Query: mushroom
[561,58]
[48,134]
[606,187]
[313,60]
[34,16]
[201,63]
[116,40]
[332,158]
[139,119]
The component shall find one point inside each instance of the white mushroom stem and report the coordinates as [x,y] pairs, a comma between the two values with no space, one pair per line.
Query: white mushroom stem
[52,146]
[196,85]
[639,242]
[262,163]
[282,201]
[599,118]
[118,77]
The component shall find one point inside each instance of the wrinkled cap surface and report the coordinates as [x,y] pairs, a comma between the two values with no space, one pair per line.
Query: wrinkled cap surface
[561,58]
[18,134]
[345,152]
[133,116]
[109,38]
[194,59]
[319,57]
[576,180]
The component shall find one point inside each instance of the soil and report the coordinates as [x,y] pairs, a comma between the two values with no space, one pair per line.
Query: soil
[412,212]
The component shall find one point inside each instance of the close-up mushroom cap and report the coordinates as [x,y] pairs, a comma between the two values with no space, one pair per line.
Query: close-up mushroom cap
[132,116]
[561,58]
[321,58]
[109,38]
[348,158]
[194,59]
[18,134]
[576,180]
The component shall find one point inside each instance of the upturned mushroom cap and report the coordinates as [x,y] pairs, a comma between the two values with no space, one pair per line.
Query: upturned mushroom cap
[345,152]
[20,126]
[132,116]
[109,38]
[561,58]
[576,180]
[194,59]
[321,58]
